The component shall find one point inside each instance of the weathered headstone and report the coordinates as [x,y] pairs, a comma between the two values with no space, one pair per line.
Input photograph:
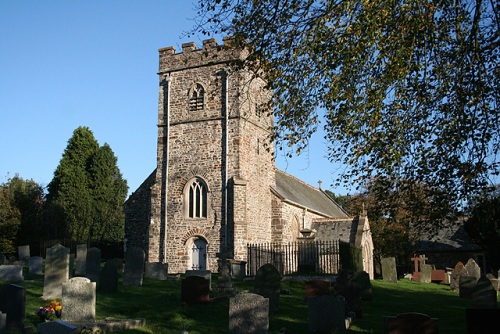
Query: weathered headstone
[13,304]
[326,314]
[11,273]
[411,323]
[156,270]
[317,288]
[93,266]
[78,298]
[425,273]
[248,314]
[389,272]
[207,274]
[472,269]
[466,285]
[134,266]
[268,284]
[36,265]
[195,290]
[24,253]
[455,276]
[56,327]
[81,259]
[56,271]
[483,294]
[3,323]
[108,280]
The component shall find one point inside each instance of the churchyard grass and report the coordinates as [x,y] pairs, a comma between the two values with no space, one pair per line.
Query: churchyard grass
[160,303]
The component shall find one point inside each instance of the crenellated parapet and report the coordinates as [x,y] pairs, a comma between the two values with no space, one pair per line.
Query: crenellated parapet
[210,53]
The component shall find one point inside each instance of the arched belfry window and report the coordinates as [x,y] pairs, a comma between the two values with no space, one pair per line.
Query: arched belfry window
[197,193]
[196,98]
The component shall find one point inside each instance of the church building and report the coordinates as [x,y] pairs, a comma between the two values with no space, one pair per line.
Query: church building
[216,187]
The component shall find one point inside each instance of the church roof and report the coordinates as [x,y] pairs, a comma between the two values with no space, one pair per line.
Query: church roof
[300,193]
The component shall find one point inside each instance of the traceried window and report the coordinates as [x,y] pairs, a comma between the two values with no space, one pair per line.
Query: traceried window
[197,199]
[196,98]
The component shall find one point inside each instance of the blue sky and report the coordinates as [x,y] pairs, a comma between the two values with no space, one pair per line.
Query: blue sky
[65,64]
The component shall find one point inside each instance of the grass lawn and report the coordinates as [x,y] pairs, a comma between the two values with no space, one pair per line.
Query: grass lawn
[160,303]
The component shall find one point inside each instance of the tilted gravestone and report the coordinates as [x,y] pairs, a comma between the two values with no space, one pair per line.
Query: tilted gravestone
[56,271]
[93,264]
[56,327]
[248,314]
[156,270]
[78,299]
[24,253]
[268,284]
[13,304]
[389,272]
[134,266]
[195,290]
[81,259]
[11,273]
[108,280]
[483,294]
[36,265]
[326,314]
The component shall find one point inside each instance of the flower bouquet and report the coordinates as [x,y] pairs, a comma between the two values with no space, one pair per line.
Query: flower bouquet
[46,312]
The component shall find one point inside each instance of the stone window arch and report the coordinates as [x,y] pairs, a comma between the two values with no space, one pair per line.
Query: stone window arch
[196,199]
[197,97]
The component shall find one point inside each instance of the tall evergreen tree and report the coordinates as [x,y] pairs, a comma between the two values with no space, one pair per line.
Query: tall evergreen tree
[86,195]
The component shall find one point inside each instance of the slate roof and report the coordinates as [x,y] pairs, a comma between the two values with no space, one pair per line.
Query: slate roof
[298,192]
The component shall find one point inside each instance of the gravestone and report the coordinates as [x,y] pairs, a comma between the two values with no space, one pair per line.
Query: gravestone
[71,267]
[3,323]
[425,273]
[56,327]
[466,285]
[134,266]
[483,294]
[207,274]
[389,272]
[36,265]
[248,314]
[481,321]
[472,269]
[326,314]
[348,286]
[81,259]
[156,270]
[56,271]
[11,273]
[93,264]
[455,276]
[268,284]
[119,265]
[317,288]
[108,280]
[494,281]
[411,322]
[195,290]
[13,304]
[78,299]
[24,253]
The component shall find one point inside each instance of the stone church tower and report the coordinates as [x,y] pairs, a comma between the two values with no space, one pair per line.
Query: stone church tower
[210,191]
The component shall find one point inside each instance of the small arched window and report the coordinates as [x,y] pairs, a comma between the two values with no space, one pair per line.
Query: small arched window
[196,98]
[197,199]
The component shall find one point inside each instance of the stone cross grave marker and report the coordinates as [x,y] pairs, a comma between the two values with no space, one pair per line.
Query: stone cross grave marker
[248,314]
[13,304]
[156,270]
[418,261]
[81,259]
[24,253]
[268,284]
[11,273]
[56,271]
[108,280]
[326,314]
[78,299]
[134,266]
[93,264]
[36,265]
[389,273]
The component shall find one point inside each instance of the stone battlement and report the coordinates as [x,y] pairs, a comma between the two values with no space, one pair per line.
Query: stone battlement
[190,56]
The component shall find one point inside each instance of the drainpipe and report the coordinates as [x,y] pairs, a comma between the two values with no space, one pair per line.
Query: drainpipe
[226,145]
[166,150]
